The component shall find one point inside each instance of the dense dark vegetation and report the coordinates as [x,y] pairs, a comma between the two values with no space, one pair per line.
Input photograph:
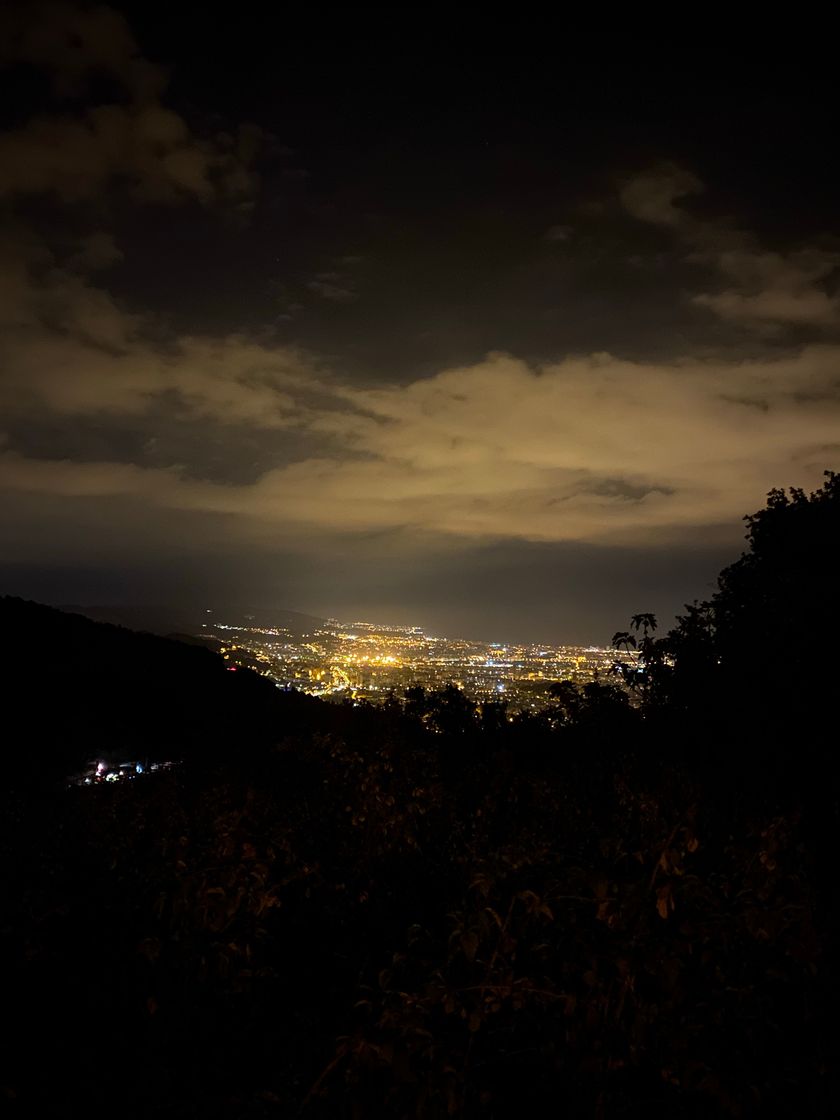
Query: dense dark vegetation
[430,910]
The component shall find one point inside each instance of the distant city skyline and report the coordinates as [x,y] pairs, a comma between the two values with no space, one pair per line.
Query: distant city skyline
[364,661]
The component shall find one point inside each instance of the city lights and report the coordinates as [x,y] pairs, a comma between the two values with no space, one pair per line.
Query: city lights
[366,661]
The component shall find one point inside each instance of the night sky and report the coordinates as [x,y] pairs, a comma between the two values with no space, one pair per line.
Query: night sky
[499,332]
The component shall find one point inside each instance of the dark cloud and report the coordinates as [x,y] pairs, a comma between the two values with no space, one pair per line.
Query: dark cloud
[765,290]
[654,195]
[148,147]
[327,286]
[478,367]
[558,233]
[95,251]
[75,43]
[137,142]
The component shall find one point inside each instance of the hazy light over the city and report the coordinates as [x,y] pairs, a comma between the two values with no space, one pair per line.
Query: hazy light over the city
[499,351]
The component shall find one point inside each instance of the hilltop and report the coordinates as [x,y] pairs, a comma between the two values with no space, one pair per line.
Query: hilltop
[173,618]
[78,688]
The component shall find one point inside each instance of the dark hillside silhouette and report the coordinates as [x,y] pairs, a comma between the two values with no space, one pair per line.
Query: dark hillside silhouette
[170,619]
[79,688]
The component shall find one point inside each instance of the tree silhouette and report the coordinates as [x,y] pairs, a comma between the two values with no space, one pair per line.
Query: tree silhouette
[623,639]
[644,622]
[751,672]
